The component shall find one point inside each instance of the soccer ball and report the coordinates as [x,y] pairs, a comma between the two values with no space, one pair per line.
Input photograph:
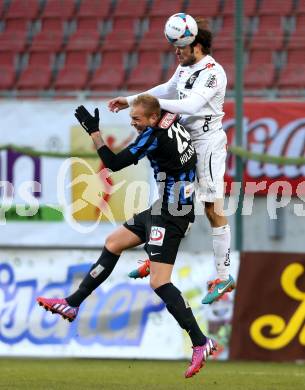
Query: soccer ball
[181,29]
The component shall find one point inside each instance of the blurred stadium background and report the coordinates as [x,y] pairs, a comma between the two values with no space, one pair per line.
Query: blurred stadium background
[57,54]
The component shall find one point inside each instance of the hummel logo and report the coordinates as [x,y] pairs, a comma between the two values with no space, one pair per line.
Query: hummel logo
[153,254]
[221,290]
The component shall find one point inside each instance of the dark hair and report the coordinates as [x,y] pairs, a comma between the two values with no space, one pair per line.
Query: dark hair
[204,36]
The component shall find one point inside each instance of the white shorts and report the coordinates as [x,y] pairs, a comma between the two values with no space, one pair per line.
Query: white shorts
[211,165]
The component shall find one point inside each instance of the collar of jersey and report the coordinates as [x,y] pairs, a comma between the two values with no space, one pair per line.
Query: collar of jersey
[205,60]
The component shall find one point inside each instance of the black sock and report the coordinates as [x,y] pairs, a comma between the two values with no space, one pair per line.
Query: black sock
[180,309]
[98,273]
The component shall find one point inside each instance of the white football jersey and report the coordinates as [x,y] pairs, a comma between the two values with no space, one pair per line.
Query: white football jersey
[206,78]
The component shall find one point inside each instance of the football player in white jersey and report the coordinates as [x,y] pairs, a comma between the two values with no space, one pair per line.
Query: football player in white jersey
[196,91]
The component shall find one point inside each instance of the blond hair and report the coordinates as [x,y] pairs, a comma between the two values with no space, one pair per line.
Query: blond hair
[150,104]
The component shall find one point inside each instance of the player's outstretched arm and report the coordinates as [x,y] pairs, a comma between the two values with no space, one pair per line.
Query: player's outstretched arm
[118,104]
[113,161]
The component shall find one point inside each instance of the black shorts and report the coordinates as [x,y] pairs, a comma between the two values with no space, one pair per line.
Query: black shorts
[161,234]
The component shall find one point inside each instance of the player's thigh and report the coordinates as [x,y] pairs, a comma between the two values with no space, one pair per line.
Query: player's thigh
[210,168]
[165,235]
[122,239]
[160,273]
[131,234]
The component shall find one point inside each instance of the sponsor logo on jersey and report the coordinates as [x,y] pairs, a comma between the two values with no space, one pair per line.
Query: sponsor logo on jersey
[209,65]
[167,120]
[157,234]
[211,81]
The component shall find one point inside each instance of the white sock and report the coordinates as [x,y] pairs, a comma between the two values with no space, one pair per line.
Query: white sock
[221,246]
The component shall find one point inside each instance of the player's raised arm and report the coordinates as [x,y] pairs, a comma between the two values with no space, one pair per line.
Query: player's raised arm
[90,123]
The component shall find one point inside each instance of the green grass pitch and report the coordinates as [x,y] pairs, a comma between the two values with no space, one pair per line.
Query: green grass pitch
[94,374]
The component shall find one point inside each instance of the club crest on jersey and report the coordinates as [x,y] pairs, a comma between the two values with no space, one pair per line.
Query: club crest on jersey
[156,237]
[211,81]
[167,120]
[192,79]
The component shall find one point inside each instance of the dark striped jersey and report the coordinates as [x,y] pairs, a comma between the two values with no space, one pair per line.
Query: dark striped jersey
[172,156]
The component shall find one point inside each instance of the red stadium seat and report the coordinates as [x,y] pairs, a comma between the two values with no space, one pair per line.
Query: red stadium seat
[71,78]
[17,25]
[3,7]
[144,77]
[111,58]
[74,74]
[87,35]
[38,73]
[128,8]
[292,77]
[91,23]
[170,71]
[96,8]
[166,8]
[13,40]
[206,9]
[259,57]
[84,40]
[115,41]
[8,62]
[41,59]
[63,9]
[295,57]
[259,76]
[224,57]
[122,35]
[35,78]
[230,72]
[78,58]
[149,58]
[224,40]
[107,79]
[24,9]
[14,36]
[276,7]
[154,37]
[267,22]
[249,7]
[7,77]
[297,37]
[8,58]
[267,40]
[270,34]
[300,23]
[148,71]
[300,9]
[50,38]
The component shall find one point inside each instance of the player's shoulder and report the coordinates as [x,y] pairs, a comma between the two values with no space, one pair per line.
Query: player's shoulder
[167,119]
[211,65]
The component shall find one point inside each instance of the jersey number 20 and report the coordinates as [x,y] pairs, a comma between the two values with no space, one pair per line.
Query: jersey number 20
[182,136]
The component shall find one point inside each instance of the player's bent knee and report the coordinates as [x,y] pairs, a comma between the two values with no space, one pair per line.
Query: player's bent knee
[156,282]
[113,245]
